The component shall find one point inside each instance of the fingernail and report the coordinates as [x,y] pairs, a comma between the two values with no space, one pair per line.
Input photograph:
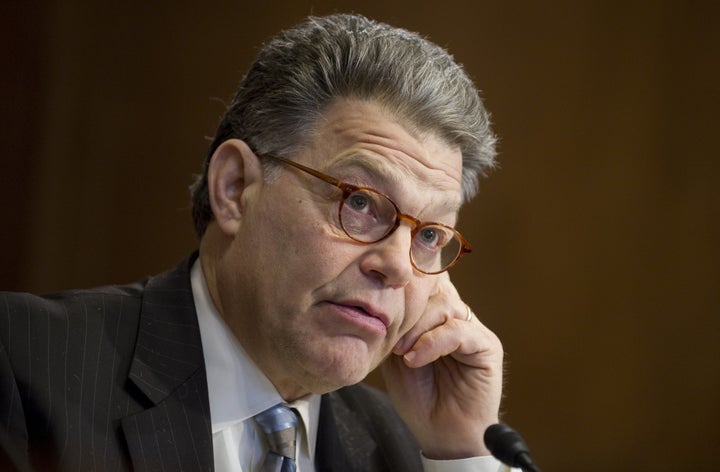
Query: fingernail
[409,357]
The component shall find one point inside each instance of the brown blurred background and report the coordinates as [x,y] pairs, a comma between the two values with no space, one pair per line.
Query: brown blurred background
[597,256]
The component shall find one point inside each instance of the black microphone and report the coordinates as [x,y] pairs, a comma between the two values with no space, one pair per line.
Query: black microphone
[508,447]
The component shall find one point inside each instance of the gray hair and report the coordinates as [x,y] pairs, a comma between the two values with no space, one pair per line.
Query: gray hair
[302,70]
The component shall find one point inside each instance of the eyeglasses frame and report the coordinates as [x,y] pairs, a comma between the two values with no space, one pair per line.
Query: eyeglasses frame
[416,224]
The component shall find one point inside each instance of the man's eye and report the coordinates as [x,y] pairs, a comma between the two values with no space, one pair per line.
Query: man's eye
[358,201]
[429,236]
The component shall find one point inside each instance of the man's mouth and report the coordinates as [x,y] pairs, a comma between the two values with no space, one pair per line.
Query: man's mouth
[363,314]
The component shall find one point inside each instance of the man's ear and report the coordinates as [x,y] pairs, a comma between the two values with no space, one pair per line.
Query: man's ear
[233,172]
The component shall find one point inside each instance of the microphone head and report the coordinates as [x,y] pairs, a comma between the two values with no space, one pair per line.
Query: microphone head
[507,445]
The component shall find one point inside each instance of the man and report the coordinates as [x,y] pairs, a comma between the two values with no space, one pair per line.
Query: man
[326,213]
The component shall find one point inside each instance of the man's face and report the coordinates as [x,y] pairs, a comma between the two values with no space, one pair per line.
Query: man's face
[313,308]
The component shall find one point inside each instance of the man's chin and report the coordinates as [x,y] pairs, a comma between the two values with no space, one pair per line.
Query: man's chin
[343,367]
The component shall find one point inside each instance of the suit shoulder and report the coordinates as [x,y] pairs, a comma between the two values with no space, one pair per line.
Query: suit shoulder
[70,301]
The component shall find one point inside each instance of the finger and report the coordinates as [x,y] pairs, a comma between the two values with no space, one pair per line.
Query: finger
[446,295]
[442,305]
[473,345]
[440,309]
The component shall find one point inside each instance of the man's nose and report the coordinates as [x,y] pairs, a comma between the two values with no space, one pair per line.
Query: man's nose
[389,259]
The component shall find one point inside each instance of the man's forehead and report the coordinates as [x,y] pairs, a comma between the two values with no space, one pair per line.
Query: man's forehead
[376,124]
[367,137]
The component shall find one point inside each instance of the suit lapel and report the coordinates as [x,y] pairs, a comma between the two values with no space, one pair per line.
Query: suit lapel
[169,369]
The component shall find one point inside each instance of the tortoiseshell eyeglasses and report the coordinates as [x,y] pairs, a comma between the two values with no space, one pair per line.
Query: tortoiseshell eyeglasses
[368,216]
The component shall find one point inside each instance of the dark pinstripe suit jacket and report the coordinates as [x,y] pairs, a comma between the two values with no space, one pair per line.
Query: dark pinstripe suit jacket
[113,378]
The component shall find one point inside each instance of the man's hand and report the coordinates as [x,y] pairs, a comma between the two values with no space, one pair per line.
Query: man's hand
[445,377]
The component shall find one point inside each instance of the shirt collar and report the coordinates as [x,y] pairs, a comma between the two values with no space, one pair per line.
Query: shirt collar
[237,388]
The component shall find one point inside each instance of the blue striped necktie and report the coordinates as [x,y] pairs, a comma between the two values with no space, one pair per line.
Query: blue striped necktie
[279,424]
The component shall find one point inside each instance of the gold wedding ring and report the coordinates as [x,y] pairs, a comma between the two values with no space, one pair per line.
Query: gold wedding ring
[469,312]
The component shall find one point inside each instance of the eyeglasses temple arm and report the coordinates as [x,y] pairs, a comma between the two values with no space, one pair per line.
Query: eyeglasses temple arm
[313,172]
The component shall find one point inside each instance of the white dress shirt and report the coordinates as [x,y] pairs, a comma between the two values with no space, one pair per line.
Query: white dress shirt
[238,390]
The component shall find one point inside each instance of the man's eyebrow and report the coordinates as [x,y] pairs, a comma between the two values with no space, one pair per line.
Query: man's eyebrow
[387,176]
[372,167]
